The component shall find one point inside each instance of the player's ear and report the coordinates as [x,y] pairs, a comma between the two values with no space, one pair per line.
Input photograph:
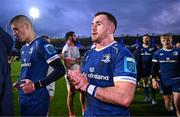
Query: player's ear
[111,28]
[27,25]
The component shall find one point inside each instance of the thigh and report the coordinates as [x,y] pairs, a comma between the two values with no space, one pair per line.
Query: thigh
[176,97]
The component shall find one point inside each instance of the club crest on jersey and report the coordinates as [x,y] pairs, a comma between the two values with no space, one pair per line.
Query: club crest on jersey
[31,50]
[106,58]
[50,49]
[129,65]
[24,60]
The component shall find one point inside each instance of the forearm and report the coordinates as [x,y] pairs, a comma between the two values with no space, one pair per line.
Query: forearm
[116,95]
[57,73]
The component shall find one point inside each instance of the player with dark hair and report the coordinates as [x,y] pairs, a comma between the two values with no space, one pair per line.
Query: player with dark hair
[143,55]
[72,60]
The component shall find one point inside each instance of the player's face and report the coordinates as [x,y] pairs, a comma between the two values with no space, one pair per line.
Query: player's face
[178,45]
[99,28]
[19,31]
[166,42]
[146,40]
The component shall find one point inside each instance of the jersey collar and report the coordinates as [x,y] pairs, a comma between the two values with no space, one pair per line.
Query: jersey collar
[105,46]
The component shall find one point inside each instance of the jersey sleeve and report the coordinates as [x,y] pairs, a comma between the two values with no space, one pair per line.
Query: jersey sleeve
[155,57]
[125,67]
[49,53]
[65,48]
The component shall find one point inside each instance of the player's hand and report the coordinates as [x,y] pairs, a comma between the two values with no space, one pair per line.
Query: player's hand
[27,86]
[78,80]
[155,84]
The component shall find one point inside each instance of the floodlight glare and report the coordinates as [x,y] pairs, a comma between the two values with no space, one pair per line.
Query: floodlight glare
[34,12]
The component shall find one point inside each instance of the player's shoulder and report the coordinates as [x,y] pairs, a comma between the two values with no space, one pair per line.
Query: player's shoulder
[160,50]
[41,41]
[118,48]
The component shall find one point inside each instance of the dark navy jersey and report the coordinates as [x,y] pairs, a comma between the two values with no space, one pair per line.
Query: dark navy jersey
[103,68]
[144,60]
[169,63]
[35,58]
[6,96]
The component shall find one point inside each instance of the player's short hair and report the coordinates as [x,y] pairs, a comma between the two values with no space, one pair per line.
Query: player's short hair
[20,18]
[109,16]
[166,35]
[69,34]
[146,35]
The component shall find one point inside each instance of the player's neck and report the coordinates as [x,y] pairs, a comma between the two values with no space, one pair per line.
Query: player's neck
[104,42]
[31,38]
[168,48]
[145,45]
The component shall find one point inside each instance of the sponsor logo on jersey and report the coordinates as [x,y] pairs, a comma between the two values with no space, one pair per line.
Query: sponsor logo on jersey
[106,58]
[161,54]
[97,76]
[26,65]
[129,65]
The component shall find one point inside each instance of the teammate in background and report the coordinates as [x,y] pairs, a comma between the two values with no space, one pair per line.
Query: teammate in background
[36,56]
[167,60]
[143,55]
[6,96]
[72,60]
[108,74]
[178,45]
[50,87]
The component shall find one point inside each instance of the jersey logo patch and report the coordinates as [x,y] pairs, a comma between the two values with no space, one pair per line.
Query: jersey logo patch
[50,49]
[175,53]
[129,65]
[106,58]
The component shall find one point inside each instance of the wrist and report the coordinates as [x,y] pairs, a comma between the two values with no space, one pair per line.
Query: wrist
[91,89]
[37,84]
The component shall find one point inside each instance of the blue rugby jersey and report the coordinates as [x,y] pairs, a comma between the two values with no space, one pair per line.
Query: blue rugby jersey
[146,55]
[35,58]
[103,68]
[169,62]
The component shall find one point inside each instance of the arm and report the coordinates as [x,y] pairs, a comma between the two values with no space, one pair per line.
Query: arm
[120,94]
[137,56]
[154,72]
[59,71]
[71,61]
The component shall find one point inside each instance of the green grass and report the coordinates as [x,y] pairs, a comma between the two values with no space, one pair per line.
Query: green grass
[59,108]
